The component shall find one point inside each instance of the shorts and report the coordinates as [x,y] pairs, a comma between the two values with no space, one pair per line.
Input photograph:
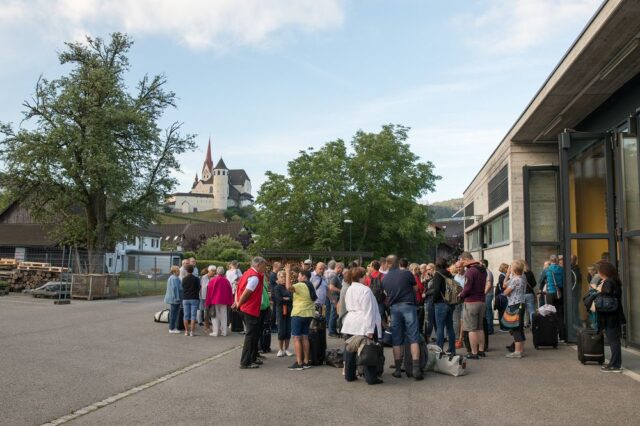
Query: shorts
[300,326]
[404,323]
[190,309]
[473,316]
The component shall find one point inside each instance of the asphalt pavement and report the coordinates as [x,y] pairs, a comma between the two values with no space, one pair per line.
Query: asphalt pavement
[56,360]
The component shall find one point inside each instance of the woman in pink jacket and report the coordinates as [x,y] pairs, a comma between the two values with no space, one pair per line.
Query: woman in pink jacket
[219,296]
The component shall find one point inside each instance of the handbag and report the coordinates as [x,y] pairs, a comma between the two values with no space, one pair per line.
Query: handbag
[451,365]
[369,353]
[606,303]
[511,317]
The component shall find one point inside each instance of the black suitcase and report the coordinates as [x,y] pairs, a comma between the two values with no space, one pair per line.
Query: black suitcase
[590,346]
[317,345]
[264,344]
[408,359]
[485,328]
[545,330]
[236,321]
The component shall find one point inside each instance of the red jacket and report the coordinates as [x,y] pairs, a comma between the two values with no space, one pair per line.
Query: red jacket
[419,291]
[252,305]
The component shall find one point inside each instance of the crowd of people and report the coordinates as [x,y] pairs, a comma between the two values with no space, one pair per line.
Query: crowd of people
[357,304]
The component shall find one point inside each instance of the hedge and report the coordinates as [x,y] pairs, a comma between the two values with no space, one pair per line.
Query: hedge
[203,264]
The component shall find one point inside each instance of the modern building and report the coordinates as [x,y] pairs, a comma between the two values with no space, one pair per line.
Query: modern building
[219,188]
[142,255]
[564,180]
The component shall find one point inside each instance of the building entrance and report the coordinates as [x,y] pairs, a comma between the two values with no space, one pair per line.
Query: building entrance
[601,219]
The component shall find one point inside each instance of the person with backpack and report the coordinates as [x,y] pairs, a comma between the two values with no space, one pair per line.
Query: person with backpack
[553,290]
[374,282]
[443,310]
[302,312]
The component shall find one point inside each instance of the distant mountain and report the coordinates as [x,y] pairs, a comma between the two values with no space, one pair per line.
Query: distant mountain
[445,209]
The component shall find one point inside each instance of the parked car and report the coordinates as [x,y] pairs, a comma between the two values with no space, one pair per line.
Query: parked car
[54,289]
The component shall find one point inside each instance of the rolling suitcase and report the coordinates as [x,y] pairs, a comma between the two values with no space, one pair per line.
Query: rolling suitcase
[236,321]
[590,346]
[317,341]
[545,330]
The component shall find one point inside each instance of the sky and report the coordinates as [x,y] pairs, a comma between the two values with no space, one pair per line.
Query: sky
[266,78]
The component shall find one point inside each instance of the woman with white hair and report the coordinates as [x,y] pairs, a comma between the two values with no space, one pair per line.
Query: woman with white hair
[219,296]
[203,315]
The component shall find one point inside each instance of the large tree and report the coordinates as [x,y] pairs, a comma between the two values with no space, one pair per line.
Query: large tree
[95,164]
[376,183]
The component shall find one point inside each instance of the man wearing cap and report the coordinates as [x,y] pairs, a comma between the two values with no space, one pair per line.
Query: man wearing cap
[306,265]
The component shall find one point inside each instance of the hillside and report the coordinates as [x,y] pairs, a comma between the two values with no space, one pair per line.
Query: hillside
[445,209]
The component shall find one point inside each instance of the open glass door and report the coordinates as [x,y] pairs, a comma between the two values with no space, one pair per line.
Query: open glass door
[628,228]
[589,217]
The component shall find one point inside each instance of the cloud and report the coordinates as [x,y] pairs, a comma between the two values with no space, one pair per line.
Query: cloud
[198,24]
[513,26]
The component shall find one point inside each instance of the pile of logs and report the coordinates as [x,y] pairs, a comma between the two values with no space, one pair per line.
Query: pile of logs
[28,275]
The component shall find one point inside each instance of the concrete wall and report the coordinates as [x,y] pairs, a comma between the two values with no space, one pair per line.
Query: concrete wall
[200,203]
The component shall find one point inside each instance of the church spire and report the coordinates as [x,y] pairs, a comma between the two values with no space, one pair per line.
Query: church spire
[208,162]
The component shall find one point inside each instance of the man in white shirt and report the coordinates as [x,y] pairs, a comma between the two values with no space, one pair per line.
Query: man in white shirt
[320,284]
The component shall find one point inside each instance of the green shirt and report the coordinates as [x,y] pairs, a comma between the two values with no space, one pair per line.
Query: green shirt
[303,306]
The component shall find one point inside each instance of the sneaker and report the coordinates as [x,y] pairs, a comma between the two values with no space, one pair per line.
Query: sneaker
[306,366]
[397,374]
[249,366]
[514,355]
[280,353]
[609,369]
[258,361]
[174,331]
[473,356]
[192,334]
[288,352]
[212,334]
[296,366]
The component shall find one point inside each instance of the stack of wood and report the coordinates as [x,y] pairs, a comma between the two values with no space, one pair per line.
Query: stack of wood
[28,275]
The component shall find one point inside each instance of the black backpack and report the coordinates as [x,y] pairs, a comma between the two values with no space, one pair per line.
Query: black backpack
[376,287]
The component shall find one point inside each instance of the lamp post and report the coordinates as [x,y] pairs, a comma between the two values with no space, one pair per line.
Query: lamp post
[349,222]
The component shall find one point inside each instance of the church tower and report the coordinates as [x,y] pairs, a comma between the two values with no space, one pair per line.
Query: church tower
[208,164]
[220,185]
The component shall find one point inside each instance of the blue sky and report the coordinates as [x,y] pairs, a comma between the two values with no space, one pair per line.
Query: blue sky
[266,78]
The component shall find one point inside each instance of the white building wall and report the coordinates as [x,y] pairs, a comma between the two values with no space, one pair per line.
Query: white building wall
[200,203]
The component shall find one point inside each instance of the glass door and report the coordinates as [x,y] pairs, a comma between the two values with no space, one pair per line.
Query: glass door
[588,212]
[628,229]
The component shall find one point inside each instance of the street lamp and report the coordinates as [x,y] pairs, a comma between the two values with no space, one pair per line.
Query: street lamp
[349,222]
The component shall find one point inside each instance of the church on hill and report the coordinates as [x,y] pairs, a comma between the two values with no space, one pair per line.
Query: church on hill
[218,188]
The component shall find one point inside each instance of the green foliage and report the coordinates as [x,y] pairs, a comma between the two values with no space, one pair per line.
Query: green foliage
[377,185]
[5,200]
[96,163]
[221,247]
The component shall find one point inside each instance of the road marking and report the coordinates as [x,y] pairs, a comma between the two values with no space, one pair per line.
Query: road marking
[110,400]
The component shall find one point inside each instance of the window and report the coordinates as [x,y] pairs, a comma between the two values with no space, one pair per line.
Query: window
[497,231]
[473,239]
[499,189]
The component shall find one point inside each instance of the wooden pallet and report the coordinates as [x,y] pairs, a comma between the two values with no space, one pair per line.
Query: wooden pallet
[8,262]
[57,269]
[35,264]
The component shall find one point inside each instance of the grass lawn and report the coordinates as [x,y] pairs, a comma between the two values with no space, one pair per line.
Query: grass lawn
[129,287]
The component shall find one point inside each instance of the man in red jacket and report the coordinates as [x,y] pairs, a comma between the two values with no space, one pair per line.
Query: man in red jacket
[248,300]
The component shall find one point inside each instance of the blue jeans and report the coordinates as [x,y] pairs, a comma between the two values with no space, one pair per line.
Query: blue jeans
[444,318]
[190,309]
[332,324]
[174,309]
[530,304]
[488,301]
[404,322]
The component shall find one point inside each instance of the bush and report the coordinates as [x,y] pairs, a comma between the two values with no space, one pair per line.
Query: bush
[222,247]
